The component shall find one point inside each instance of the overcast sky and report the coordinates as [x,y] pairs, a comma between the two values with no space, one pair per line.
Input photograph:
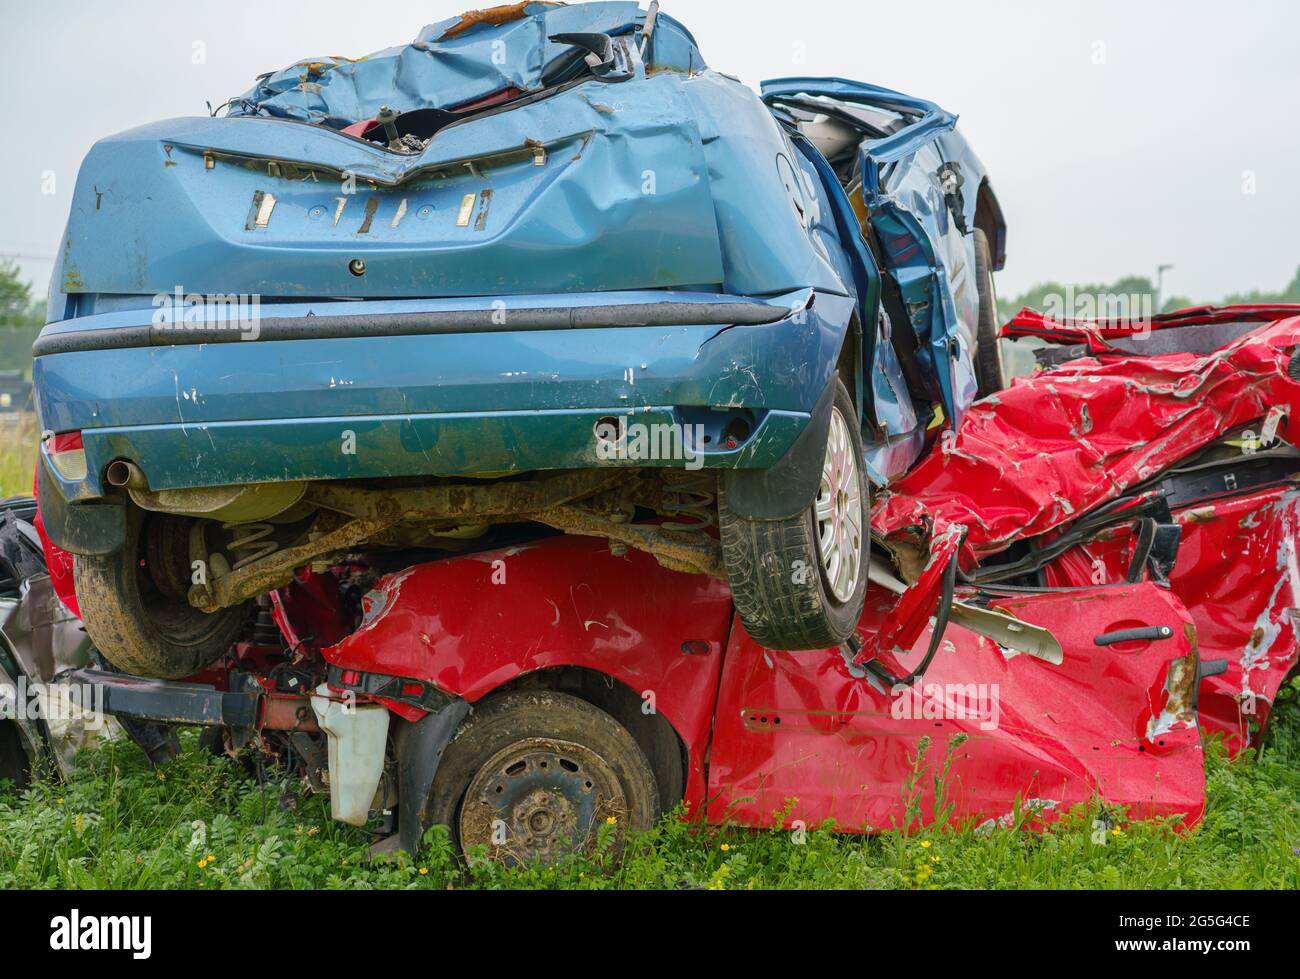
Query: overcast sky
[1120,134]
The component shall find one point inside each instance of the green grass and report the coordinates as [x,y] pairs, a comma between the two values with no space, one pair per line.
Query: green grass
[200,822]
[18,441]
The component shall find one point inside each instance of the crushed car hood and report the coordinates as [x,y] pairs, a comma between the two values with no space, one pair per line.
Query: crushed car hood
[1136,423]
[1052,447]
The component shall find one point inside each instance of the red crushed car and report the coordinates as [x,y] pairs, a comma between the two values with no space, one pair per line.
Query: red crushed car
[1094,571]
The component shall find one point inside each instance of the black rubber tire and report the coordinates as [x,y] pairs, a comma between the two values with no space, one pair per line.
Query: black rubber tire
[507,718]
[988,357]
[136,627]
[14,764]
[777,581]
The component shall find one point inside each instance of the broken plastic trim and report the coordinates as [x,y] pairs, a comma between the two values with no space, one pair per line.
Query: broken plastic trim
[610,59]
[402,690]
[419,753]
[1125,509]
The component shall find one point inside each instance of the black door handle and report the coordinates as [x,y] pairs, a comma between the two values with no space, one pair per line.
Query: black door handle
[1147,633]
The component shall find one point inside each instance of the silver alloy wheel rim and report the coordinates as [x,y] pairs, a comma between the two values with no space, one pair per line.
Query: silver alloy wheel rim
[838,512]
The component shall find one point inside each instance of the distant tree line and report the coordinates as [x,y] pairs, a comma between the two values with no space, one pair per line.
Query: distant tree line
[1041,296]
[21,316]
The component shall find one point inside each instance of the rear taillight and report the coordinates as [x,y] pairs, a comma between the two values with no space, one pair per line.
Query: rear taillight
[67,455]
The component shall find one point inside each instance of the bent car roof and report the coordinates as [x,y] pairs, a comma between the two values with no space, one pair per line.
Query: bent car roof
[455,62]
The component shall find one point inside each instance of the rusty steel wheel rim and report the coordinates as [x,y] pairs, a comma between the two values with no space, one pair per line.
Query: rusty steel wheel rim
[539,799]
[838,512]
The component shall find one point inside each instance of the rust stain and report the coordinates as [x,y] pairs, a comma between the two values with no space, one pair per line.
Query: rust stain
[71,275]
[485,203]
[372,205]
[495,16]
[1183,679]
[586,141]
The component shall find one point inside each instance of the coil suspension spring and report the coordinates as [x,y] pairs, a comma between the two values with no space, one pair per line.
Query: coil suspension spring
[693,507]
[250,542]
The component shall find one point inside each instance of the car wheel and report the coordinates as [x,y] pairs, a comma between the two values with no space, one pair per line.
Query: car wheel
[801,583]
[534,775]
[134,605]
[988,356]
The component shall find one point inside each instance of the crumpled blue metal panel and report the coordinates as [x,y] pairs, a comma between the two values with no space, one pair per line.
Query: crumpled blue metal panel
[673,179]
[668,181]
[172,205]
[444,72]
[454,404]
[677,178]
[773,239]
[929,255]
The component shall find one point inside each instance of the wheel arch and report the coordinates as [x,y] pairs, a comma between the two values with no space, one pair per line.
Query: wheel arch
[421,745]
[852,367]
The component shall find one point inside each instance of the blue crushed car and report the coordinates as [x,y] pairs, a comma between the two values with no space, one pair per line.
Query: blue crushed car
[541,269]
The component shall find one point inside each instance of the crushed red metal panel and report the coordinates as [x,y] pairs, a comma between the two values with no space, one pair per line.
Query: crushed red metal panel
[908,617]
[800,732]
[806,726]
[1032,460]
[1237,574]
[470,624]
[1052,447]
[1029,322]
